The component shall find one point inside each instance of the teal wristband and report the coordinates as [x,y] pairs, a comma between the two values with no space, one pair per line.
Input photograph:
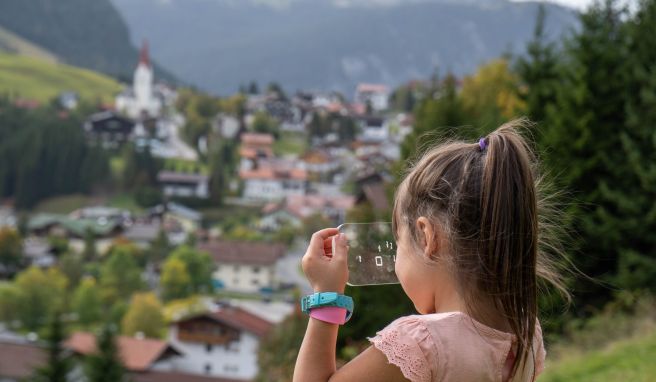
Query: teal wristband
[322,299]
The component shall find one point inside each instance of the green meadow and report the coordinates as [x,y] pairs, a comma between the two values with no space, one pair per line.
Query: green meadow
[33,78]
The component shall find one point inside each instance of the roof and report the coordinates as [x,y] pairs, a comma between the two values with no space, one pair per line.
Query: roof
[18,361]
[272,173]
[237,318]
[256,139]
[173,376]
[136,354]
[375,194]
[242,252]
[306,205]
[77,227]
[372,88]
[144,57]
[179,177]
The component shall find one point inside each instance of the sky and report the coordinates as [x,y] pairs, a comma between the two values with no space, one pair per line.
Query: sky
[581,4]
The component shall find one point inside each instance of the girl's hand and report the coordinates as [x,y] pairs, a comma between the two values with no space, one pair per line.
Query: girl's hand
[324,263]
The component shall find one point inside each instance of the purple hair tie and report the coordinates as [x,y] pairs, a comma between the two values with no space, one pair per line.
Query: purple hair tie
[482,144]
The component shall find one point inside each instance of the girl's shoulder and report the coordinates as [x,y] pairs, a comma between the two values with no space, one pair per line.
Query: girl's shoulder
[426,347]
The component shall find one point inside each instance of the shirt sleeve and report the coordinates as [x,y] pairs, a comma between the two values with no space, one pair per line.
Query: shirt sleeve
[406,344]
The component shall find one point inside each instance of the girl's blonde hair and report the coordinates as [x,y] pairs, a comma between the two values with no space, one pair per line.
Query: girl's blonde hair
[486,197]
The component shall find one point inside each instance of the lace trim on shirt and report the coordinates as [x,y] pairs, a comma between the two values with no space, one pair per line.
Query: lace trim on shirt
[402,355]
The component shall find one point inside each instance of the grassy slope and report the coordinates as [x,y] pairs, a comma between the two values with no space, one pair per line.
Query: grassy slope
[627,360]
[33,78]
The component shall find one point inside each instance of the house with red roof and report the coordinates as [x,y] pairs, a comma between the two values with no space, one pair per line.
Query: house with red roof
[138,354]
[274,179]
[223,343]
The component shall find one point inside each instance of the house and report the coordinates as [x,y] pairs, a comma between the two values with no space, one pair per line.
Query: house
[295,208]
[374,129]
[19,361]
[226,125]
[319,164]
[371,189]
[142,233]
[178,221]
[376,95]
[186,185]
[244,266]
[274,180]
[221,343]
[20,358]
[108,129]
[254,147]
[137,353]
[104,230]
[7,217]
[276,216]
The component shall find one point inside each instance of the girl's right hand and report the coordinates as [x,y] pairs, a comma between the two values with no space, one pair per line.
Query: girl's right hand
[325,261]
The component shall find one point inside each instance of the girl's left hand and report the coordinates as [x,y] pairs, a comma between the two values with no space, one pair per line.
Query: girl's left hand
[325,261]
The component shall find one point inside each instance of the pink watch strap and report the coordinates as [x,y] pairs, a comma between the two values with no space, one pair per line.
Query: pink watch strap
[330,314]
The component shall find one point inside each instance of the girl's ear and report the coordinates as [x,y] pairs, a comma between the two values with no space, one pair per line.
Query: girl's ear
[428,240]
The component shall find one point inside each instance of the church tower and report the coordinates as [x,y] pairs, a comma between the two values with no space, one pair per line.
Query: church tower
[143,81]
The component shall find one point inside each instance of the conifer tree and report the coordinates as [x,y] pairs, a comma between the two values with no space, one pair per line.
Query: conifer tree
[634,193]
[581,140]
[59,366]
[105,365]
[539,72]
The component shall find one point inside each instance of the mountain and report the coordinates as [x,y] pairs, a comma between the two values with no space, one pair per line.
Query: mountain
[89,34]
[330,44]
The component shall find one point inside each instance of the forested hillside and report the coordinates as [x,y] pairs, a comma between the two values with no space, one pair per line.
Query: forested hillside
[84,33]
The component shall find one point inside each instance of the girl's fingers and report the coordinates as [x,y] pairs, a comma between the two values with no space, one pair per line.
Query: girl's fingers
[319,238]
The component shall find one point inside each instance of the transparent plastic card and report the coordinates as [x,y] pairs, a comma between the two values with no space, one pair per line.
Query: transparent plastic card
[372,253]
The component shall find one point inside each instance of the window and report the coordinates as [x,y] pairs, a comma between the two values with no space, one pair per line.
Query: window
[230,368]
[255,282]
[256,269]
[236,268]
[208,348]
[208,368]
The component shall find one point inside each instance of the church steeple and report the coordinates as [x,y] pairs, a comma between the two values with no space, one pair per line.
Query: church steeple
[144,57]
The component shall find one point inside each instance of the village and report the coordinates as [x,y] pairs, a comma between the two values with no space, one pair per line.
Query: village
[299,162]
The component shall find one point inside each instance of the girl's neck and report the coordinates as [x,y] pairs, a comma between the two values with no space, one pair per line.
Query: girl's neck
[484,312]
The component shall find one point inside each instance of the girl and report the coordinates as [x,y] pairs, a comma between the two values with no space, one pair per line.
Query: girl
[466,223]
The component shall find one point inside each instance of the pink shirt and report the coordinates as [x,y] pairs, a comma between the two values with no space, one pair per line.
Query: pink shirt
[453,347]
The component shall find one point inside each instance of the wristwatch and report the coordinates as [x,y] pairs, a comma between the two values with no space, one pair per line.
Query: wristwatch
[323,299]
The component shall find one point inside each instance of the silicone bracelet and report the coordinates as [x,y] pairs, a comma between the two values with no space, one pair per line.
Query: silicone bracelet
[330,314]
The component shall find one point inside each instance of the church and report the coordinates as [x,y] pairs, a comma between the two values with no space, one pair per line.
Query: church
[142,100]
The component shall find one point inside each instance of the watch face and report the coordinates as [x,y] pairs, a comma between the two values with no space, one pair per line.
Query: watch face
[372,253]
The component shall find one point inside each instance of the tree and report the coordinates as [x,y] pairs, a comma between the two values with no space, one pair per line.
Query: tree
[11,248]
[120,275]
[87,302]
[105,365]
[634,191]
[144,315]
[90,253]
[277,353]
[218,179]
[175,281]
[265,124]
[9,302]
[489,97]
[59,366]
[439,116]
[582,140]
[539,72]
[72,266]
[199,265]
[160,248]
[40,295]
